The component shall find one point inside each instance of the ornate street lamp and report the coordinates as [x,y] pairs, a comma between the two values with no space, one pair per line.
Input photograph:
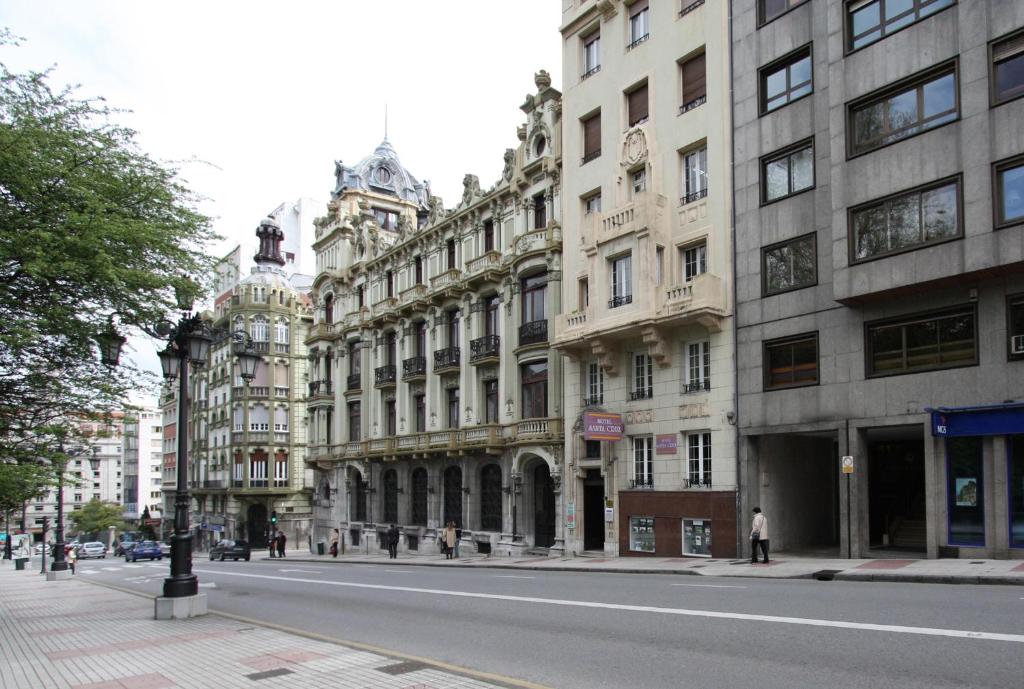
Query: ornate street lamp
[110,343]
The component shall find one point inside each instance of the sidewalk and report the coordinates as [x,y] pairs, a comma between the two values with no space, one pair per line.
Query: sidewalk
[782,566]
[71,634]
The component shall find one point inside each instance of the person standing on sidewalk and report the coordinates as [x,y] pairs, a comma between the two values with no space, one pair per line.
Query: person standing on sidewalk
[71,555]
[335,539]
[758,536]
[281,541]
[393,542]
[449,540]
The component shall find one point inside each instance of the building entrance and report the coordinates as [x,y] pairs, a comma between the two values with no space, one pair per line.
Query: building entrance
[544,507]
[896,489]
[593,510]
[257,526]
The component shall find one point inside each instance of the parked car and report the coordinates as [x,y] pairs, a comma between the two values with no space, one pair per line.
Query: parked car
[144,550]
[236,550]
[165,547]
[40,546]
[92,549]
[123,547]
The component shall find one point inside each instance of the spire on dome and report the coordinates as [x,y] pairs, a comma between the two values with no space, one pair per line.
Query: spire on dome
[270,236]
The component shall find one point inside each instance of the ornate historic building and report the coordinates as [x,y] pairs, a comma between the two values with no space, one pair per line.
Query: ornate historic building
[433,394]
[248,442]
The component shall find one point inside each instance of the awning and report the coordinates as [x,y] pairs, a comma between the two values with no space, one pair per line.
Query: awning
[991,419]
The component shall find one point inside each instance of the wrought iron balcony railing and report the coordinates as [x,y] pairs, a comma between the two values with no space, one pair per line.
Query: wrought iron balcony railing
[414,367]
[449,357]
[621,300]
[643,394]
[385,375]
[353,382]
[533,332]
[698,385]
[642,482]
[484,347]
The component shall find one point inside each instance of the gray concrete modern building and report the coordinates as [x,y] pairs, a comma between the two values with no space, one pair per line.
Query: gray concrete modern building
[879,175]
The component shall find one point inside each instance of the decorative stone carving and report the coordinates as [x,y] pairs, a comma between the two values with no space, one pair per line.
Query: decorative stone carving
[436,210]
[470,189]
[542,80]
[634,148]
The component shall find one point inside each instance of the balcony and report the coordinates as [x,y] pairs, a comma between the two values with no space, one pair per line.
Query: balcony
[590,72]
[282,348]
[385,376]
[695,103]
[414,368]
[592,401]
[447,284]
[644,394]
[690,8]
[415,294]
[642,39]
[533,429]
[353,382]
[593,155]
[482,266]
[537,242]
[484,349]
[621,300]
[443,439]
[697,481]
[643,482]
[448,358]
[534,332]
[693,196]
[320,388]
[697,386]
[259,391]
[489,435]
[281,391]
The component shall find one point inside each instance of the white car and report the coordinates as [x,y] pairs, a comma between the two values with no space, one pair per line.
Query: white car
[40,546]
[92,549]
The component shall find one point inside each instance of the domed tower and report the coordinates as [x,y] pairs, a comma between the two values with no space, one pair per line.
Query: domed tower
[270,236]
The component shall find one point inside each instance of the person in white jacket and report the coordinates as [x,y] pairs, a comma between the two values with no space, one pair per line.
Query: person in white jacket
[758,536]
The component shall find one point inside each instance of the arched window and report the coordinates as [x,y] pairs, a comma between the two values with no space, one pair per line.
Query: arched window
[260,329]
[359,498]
[490,498]
[282,331]
[390,496]
[419,497]
[453,496]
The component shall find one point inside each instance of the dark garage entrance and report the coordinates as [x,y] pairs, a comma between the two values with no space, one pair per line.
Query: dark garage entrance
[896,489]
[593,510]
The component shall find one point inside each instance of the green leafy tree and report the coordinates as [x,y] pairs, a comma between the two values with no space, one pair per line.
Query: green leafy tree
[92,231]
[96,517]
[22,482]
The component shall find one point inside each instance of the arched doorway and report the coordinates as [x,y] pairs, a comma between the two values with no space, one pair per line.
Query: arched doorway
[490,498]
[390,481]
[256,525]
[358,498]
[419,497]
[453,496]
[543,507]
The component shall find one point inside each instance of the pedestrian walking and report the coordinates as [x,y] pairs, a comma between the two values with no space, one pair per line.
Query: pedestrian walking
[449,540]
[758,536]
[335,539]
[281,541]
[458,540]
[71,555]
[393,542]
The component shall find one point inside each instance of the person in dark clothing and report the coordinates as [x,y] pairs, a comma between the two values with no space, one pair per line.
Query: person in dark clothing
[393,542]
[281,540]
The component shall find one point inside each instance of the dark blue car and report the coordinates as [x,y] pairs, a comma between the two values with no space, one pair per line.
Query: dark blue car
[146,550]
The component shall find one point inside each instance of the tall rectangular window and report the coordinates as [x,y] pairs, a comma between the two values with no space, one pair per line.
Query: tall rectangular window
[534,379]
[965,491]
[492,314]
[622,281]
[420,411]
[1015,468]
[791,362]
[868,21]
[533,290]
[638,181]
[637,105]
[695,175]
[450,253]
[354,420]
[643,461]
[768,10]
[695,261]
[1007,80]
[452,327]
[643,377]
[489,235]
[908,108]
[698,464]
[419,270]
[1015,325]
[694,82]
[591,55]
[791,264]
[922,343]
[905,221]
[540,215]
[491,401]
[595,383]
[583,299]
[389,283]
[786,80]
[639,23]
[453,407]
[1009,192]
[591,137]
[698,366]
[659,264]
[787,172]
[592,204]
[390,418]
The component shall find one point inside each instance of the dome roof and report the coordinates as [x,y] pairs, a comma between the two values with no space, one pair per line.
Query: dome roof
[383,173]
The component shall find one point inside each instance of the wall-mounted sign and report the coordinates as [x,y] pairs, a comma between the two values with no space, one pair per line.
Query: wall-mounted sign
[570,515]
[847,464]
[609,514]
[665,444]
[602,426]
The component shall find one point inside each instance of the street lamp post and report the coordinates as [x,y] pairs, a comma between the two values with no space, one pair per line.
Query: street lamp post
[59,564]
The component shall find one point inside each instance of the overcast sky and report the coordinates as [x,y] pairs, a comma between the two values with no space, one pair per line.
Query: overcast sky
[269,94]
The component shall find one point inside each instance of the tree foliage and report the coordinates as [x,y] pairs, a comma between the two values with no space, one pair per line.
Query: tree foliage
[96,516]
[20,483]
[91,228]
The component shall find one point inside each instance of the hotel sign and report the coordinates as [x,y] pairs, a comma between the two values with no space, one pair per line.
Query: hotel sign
[602,426]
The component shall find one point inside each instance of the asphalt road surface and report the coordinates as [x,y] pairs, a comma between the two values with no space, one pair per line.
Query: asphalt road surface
[588,630]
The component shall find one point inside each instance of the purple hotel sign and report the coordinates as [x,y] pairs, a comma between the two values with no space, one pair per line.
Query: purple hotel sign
[665,444]
[602,426]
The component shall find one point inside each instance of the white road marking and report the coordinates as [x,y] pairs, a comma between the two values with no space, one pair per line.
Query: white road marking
[301,571]
[712,586]
[399,571]
[111,569]
[811,622]
[208,585]
[511,576]
[134,566]
[90,571]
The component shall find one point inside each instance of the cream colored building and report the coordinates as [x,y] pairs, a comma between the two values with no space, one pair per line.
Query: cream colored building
[433,394]
[647,285]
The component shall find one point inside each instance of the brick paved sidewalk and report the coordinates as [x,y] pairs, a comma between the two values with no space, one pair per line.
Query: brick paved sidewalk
[74,635]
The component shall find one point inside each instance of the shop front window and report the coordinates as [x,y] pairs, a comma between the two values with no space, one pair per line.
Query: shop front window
[641,534]
[1015,444]
[697,537]
[965,491]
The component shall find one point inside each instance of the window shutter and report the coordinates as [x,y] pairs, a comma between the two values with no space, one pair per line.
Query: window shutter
[638,105]
[694,79]
[592,135]
[1008,48]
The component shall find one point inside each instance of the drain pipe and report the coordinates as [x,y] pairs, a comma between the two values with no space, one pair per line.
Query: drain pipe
[735,324]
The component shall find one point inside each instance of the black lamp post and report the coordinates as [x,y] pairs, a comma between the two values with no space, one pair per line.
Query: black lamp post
[189,343]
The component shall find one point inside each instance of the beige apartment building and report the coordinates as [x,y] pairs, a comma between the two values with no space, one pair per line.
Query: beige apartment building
[647,278]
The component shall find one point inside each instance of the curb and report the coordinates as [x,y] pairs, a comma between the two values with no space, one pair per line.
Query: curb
[466,565]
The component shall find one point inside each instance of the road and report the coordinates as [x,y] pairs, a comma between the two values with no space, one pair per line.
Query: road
[587,631]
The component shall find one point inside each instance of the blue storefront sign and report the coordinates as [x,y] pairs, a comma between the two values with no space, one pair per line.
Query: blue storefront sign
[995,419]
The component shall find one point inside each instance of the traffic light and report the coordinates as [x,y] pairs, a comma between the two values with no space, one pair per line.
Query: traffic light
[273,517]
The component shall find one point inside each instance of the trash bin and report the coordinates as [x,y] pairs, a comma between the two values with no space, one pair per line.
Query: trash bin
[320,548]
[19,563]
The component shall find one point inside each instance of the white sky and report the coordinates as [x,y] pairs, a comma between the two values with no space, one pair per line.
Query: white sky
[269,94]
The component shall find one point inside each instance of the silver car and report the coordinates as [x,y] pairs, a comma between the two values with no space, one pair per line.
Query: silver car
[92,549]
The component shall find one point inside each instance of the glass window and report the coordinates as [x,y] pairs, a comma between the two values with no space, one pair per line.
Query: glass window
[592,204]
[639,181]
[695,261]
[698,464]
[641,534]
[622,281]
[534,378]
[540,212]
[639,23]
[453,407]
[489,243]
[354,421]
[907,221]
[643,377]
[1008,68]
[1015,325]
[1015,444]
[698,366]
[791,362]
[643,461]
[636,101]
[595,383]
[868,21]
[770,9]
[591,55]
[965,491]
[790,265]
[786,80]
[491,401]
[904,111]
[697,537]
[533,291]
[1010,192]
[695,175]
[694,82]
[788,172]
[591,137]
[420,404]
[922,343]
